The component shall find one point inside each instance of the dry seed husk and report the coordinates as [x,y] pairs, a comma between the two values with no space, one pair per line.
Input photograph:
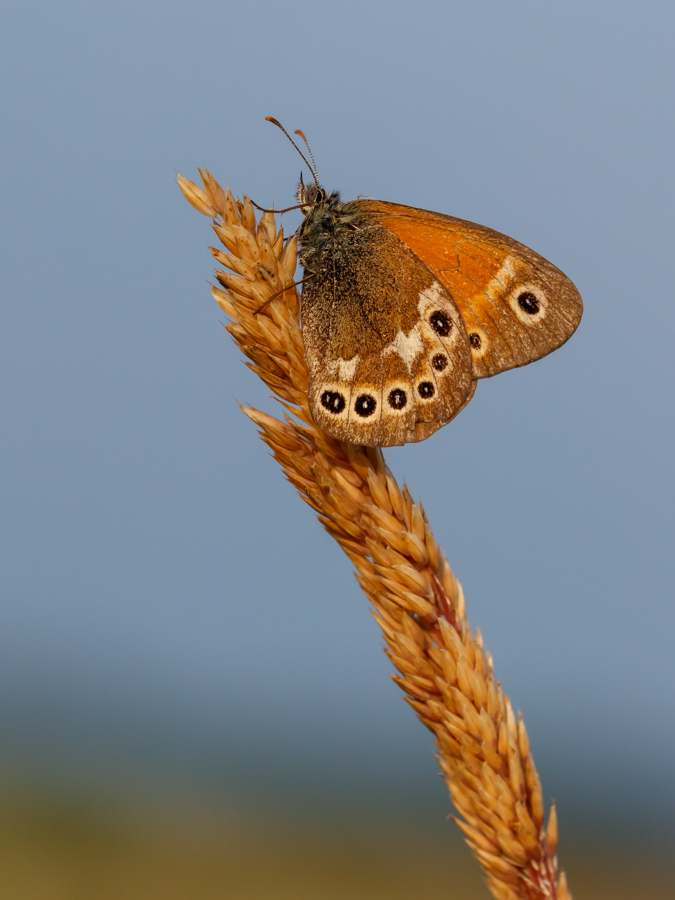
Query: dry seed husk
[483,751]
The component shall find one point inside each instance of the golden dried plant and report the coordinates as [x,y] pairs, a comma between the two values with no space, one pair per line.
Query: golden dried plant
[444,670]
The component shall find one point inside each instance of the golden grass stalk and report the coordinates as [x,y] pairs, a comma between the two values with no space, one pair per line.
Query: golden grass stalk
[444,670]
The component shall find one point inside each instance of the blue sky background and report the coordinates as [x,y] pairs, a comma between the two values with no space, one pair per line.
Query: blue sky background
[170,611]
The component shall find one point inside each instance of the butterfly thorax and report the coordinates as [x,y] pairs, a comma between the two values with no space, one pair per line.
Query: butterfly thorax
[328,223]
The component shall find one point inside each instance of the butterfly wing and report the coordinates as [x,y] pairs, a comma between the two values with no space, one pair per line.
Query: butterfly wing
[388,355]
[516,306]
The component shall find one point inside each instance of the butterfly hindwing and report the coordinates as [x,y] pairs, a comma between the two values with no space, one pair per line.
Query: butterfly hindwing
[388,354]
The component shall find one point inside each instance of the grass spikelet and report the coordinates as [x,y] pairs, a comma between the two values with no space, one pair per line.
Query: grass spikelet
[443,669]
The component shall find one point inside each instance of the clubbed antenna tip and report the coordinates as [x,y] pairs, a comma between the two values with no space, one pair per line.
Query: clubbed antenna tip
[312,168]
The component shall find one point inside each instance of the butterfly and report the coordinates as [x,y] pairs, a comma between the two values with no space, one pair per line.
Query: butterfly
[403,310]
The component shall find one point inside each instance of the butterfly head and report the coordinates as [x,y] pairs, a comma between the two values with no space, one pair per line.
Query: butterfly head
[309,196]
[323,211]
[324,219]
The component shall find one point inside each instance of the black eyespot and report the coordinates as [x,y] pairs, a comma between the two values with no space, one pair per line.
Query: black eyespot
[365,405]
[475,340]
[426,389]
[528,303]
[439,362]
[397,398]
[440,323]
[333,401]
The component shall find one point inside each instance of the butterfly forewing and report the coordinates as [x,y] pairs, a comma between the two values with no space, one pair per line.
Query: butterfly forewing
[516,306]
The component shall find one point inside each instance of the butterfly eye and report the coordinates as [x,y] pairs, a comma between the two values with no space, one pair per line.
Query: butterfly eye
[440,322]
[333,401]
[365,405]
[439,362]
[426,390]
[319,195]
[528,303]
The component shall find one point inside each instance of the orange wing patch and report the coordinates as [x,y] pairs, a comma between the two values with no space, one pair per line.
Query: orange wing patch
[516,306]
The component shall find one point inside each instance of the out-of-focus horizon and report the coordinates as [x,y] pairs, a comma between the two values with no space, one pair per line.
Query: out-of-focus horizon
[175,624]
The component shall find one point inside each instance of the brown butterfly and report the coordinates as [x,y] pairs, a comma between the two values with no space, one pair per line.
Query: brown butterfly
[404,309]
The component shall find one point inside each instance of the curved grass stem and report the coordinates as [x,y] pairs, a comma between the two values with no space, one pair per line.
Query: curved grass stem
[443,669]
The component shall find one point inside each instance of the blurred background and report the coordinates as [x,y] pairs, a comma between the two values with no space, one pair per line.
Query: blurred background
[193,697]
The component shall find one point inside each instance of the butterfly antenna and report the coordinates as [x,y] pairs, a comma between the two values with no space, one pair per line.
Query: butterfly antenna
[311,156]
[312,169]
